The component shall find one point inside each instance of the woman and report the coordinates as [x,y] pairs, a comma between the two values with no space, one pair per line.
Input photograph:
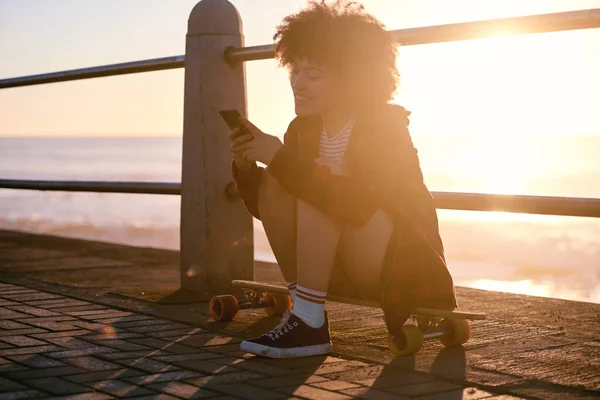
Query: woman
[345,186]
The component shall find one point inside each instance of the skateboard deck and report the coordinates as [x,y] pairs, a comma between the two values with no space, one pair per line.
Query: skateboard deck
[424,312]
[451,327]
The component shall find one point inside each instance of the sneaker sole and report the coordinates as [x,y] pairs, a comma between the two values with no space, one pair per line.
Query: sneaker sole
[292,352]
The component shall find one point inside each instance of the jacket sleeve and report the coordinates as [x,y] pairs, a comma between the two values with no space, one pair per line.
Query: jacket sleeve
[247,182]
[341,197]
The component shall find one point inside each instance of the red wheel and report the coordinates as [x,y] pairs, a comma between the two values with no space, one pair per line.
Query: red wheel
[410,343]
[223,308]
[281,303]
[456,331]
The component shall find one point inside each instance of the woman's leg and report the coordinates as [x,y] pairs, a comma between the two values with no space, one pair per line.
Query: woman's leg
[362,252]
[277,210]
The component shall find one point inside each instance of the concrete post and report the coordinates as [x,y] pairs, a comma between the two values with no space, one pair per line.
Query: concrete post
[216,231]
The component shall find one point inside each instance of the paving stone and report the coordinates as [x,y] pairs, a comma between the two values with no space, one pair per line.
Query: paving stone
[204,340]
[53,302]
[158,396]
[57,385]
[22,395]
[292,380]
[100,317]
[120,344]
[37,361]
[112,335]
[119,374]
[158,328]
[330,368]
[57,318]
[176,333]
[183,390]
[119,388]
[142,322]
[8,366]
[6,346]
[12,325]
[225,348]
[4,302]
[48,335]
[71,305]
[390,380]
[55,325]
[82,396]
[310,392]
[375,394]
[88,310]
[421,389]
[162,377]
[43,373]
[7,385]
[38,312]
[147,364]
[249,365]
[71,343]
[91,363]
[185,357]
[80,352]
[334,385]
[245,391]
[225,379]
[164,345]
[10,314]
[22,341]
[92,326]
[121,355]
[129,318]
[294,363]
[206,367]
[28,350]
[15,332]
[31,296]
[463,394]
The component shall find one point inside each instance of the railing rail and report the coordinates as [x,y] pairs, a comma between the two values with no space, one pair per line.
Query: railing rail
[543,23]
[543,205]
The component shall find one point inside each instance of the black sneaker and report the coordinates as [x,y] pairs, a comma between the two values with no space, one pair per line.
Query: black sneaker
[290,339]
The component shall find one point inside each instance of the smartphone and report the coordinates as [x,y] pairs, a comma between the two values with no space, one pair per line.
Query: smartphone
[232,118]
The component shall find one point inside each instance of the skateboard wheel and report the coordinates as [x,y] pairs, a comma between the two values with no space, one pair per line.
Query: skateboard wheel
[281,303]
[223,308]
[410,342]
[456,331]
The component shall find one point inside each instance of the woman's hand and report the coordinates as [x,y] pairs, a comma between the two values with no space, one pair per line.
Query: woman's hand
[256,146]
[237,137]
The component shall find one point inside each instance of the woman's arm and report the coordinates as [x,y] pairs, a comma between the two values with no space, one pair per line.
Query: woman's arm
[247,182]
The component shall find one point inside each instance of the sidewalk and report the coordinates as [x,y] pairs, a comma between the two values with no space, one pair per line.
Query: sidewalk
[78,316]
[52,345]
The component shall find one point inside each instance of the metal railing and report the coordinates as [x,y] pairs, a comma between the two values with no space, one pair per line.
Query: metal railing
[544,205]
[543,23]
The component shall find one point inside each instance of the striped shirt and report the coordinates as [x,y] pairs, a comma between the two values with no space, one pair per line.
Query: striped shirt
[333,149]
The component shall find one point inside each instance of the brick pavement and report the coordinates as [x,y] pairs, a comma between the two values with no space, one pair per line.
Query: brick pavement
[52,346]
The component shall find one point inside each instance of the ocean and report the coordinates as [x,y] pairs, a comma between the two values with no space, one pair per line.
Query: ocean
[537,255]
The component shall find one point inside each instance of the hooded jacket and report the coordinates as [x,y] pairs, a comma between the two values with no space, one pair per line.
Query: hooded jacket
[383,172]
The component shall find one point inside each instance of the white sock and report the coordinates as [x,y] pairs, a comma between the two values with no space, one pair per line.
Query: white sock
[310,306]
[292,289]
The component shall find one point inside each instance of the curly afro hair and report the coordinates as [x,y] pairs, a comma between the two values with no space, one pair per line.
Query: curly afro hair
[352,42]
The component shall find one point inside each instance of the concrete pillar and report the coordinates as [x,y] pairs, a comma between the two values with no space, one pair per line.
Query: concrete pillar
[216,231]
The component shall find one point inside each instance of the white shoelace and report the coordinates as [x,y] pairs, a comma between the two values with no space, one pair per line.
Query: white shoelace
[282,328]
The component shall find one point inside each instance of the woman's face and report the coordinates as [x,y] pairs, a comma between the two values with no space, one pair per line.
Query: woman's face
[316,88]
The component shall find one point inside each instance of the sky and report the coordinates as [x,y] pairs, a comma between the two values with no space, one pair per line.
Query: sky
[524,85]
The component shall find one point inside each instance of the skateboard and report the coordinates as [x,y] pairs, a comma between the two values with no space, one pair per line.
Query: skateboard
[450,327]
